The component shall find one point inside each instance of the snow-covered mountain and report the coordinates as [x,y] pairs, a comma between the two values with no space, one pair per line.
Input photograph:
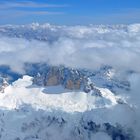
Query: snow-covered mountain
[67,95]
[46,106]
[48,32]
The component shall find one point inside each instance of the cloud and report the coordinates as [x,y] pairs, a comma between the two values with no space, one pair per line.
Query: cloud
[76,46]
[28,4]
[15,9]
[18,14]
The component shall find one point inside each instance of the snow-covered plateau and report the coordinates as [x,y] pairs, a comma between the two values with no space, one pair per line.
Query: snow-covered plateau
[69,82]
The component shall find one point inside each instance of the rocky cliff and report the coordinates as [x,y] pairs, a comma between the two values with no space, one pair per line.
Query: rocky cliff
[69,78]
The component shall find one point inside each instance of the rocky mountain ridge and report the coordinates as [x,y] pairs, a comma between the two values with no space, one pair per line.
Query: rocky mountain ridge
[69,78]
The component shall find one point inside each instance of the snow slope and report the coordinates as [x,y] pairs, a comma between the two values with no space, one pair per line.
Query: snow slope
[22,91]
[29,113]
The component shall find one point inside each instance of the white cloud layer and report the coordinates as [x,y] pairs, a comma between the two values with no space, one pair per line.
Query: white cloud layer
[76,46]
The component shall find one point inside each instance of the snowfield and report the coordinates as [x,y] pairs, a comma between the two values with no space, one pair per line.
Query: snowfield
[29,113]
[23,92]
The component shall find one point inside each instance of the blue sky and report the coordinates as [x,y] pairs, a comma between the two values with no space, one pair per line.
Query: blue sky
[70,12]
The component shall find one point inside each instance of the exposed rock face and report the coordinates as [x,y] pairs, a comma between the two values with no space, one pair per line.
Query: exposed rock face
[73,85]
[46,75]
[69,78]
[52,81]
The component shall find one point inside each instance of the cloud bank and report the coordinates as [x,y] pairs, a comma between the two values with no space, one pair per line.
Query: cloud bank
[75,46]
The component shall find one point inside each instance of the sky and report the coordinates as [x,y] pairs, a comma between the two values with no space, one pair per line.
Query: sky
[70,12]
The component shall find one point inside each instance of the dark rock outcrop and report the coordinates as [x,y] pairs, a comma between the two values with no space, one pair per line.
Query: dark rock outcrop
[69,78]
